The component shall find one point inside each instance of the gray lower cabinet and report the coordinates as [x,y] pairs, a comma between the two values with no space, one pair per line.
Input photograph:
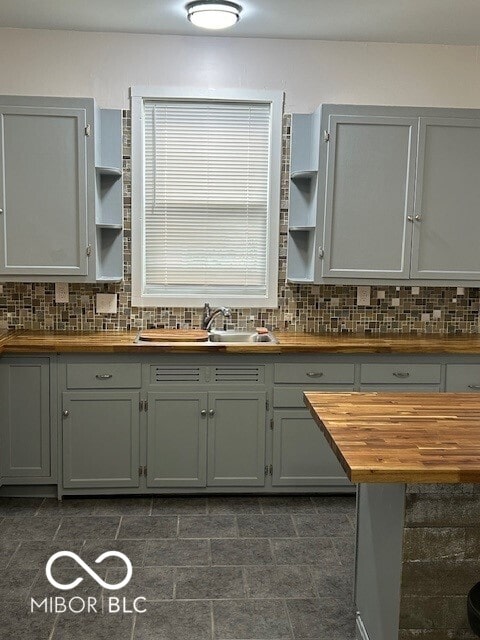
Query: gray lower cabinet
[101,439]
[177,439]
[236,439]
[464,378]
[301,454]
[198,439]
[25,421]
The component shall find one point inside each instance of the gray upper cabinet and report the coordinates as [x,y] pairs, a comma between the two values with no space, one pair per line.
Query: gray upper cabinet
[43,191]
[369,193]
[60,190]
[396,197]
[447,221]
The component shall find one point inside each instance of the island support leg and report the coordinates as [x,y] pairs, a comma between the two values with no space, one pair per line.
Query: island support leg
[418,555]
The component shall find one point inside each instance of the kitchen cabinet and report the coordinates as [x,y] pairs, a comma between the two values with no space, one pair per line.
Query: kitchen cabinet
[236,438]
[300,452]
[395,191]
[27,426]
[60,190]
[301,455]
[177,439]
[101,439]
[189,432]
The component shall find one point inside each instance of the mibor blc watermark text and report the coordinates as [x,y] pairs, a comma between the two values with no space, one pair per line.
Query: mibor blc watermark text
[88,604]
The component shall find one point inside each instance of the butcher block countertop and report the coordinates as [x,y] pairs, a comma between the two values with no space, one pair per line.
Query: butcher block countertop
[402,437]
[22,341]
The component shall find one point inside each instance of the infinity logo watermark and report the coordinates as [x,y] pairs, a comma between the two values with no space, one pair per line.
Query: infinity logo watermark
[86,568]
[90,604]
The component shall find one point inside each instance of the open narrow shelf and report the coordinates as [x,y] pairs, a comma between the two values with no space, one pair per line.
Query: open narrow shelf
[109,171]
[302,228]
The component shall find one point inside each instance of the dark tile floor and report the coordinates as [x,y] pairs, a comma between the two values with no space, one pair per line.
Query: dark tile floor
[216,568]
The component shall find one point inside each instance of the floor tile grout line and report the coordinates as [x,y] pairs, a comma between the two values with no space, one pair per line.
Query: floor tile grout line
[118,528]
[212,620]
[134,624]
[292,633]
[52,632]
[295,528]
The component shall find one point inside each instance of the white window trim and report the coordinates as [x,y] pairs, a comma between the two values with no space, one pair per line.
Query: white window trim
[138,95]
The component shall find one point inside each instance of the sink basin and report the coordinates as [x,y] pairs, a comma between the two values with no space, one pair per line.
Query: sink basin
[240,336]
[217,336]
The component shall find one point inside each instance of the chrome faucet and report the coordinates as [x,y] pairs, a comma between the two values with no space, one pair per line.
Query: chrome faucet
[209,315]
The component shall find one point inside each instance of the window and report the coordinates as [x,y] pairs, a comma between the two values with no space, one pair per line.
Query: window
[205,198]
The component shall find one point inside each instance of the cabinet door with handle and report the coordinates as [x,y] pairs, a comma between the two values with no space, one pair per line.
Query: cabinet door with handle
[369,196]
[177,439]
[101,439]
[236,438]
[446,224]
[43,192]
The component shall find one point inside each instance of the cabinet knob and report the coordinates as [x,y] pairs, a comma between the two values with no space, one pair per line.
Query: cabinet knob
[418,217]
[1,210]
[203,412]
[66,413]
[410,218]
[211,412]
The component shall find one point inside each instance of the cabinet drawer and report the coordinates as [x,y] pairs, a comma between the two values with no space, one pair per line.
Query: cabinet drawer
[315,373]
[292,396]
[400,373]
[104,376]
[463,377]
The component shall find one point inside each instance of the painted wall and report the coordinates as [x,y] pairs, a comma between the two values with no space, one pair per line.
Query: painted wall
[105,65]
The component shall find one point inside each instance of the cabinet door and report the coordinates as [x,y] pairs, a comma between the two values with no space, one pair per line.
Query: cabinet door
[43,224]
[236,439]
[447,220]
[24,419]
[177,439]
[101,432]
[369,194]
[301,454]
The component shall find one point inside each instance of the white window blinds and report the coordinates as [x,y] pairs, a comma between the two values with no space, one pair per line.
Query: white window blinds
[206,198]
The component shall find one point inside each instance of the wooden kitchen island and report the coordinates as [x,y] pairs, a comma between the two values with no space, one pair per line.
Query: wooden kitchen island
[416,458]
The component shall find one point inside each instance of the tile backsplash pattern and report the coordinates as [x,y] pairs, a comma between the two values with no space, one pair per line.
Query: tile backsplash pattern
[311,308]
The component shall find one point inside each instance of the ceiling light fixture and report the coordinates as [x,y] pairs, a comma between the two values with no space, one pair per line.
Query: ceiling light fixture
[211,14]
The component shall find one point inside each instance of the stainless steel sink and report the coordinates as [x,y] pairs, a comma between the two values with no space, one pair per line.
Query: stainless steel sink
[225,337]
[240,336]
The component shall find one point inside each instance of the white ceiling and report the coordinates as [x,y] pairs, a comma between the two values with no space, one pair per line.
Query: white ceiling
[421,21]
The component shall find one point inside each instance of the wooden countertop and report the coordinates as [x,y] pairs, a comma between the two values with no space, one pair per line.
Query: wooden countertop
[402,437]
[114,341]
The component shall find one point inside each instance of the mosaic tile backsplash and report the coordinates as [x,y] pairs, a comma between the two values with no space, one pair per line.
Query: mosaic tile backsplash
[310,308]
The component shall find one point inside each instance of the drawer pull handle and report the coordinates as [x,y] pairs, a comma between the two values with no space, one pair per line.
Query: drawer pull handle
[474,386]
[314,374]
[104,376]
[401,374]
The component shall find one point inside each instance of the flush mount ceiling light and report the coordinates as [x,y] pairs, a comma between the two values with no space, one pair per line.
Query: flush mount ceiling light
[213,15]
